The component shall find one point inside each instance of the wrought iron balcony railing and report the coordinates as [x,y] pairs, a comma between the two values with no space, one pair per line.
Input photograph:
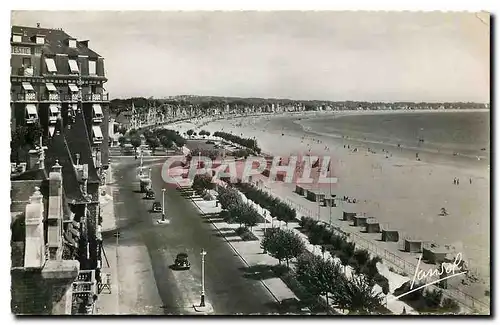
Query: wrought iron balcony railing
[51,97]
[95,97]
[26,97]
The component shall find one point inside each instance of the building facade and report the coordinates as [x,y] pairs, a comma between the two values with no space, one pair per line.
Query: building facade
[57,88]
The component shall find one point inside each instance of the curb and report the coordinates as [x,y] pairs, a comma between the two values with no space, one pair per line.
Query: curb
[237,253]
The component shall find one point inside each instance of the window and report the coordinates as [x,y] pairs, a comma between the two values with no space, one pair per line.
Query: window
[72,43]
[27,86]
[40,40]
[73,88]
[38,51]
[26,62]
[92,67]
[17,38]
[73,66]
[51,65]
[50,87]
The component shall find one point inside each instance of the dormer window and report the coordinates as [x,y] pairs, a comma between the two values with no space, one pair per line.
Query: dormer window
[17,38]
[72,43]
[40,39]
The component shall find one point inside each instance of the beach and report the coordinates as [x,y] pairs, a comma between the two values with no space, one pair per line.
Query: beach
[399,191]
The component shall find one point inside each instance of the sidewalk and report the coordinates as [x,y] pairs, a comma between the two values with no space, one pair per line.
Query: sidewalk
[107,204]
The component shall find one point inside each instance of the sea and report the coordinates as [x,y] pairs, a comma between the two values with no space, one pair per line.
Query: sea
[457,135]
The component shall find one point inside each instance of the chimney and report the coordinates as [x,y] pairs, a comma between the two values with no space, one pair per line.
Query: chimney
[34,255]
[57,168]
[37,25]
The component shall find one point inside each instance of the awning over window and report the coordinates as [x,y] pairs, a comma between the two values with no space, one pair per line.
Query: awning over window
[51,130]
[54,108]
[27,86]
[73,88]
[73,66]
[97,131]
[31,109]
[51,65]
[97,109]
[50,86]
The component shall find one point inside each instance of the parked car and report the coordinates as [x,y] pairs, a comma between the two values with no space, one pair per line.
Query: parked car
[182,262]
[150,194]
[294,306]
[210,142]
[156,207]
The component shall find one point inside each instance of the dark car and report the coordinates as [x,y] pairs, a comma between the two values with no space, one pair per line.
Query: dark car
[210,142]
[182,262]
[150,194]
[156,207]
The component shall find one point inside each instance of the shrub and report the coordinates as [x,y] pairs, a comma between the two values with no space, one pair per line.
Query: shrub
[450,305]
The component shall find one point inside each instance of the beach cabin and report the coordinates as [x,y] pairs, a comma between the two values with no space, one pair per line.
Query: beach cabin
[300,189]
[372,226]
[329,201]
[390,235]
[348,216]
[435,254]
[413,246]
[315,195]
[360,221]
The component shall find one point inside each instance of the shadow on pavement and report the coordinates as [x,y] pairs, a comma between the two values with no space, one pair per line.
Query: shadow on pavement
[258,272]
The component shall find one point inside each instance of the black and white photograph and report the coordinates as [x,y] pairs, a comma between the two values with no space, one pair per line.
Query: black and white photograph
[220,163]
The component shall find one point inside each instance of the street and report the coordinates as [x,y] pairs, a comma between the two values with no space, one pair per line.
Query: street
[226,289]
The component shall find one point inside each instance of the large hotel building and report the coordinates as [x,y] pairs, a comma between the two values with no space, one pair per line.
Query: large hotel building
[59,158]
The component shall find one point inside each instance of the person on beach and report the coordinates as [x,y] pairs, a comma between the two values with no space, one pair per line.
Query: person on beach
[458,181]
[454,181]
[470,180]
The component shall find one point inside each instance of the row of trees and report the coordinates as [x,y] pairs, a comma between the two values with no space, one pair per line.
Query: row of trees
[235,210]
[153,138]
[322,277]
[245,142]
[338,245]
[276,207]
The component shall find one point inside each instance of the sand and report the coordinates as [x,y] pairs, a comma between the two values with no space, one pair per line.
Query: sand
[402,193]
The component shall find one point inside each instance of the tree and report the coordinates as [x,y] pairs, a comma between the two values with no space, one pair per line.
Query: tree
[228,197]
[153,143]
[319,276]
[135,141]
[166,142]
[357,296]
[282,244]
[250,217]
[122,140]
[203,182]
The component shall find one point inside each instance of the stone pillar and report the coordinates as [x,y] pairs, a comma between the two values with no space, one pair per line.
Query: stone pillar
[54,217]
[34,254]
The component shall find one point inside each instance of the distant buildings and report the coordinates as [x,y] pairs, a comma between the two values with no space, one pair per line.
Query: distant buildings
[60,154]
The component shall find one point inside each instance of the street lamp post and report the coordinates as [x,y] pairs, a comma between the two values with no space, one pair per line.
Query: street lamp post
[202,302]
[163,204]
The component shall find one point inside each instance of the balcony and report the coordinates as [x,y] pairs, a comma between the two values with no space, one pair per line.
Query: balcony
[96,97]
[51,97]
[24,97]
[71,97]
[31,119]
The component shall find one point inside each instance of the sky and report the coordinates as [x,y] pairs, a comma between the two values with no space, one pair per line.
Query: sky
[323,55]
